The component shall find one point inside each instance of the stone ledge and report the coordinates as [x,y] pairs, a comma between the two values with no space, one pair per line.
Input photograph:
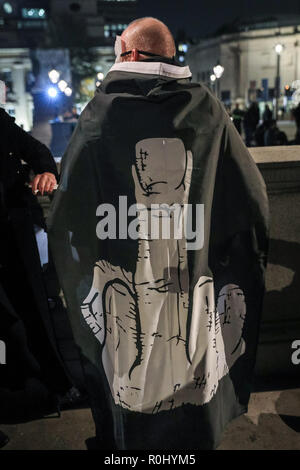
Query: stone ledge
[277,154]
[280,167]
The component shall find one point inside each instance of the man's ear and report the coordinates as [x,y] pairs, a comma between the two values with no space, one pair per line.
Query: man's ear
[134,57]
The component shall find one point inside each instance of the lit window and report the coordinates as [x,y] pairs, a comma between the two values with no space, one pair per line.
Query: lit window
[112,30]
[7,7]
[75,7]
[31,24]
[33,13]
[183,47]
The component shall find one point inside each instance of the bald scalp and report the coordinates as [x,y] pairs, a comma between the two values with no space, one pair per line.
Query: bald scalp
[151,35]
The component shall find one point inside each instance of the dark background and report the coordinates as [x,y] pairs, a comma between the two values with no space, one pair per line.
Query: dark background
[202,17]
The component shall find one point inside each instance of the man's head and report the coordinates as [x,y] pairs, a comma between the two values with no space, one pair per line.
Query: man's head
[149,35]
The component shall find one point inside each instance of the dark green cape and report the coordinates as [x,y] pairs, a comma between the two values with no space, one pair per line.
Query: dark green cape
[137,105]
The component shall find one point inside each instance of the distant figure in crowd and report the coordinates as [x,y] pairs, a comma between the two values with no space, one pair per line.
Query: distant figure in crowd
[34,373]
[71,114]
[260,129]
[237,118]
[267,115]
[274,136]
[296,116]
[251,120]
[4,439]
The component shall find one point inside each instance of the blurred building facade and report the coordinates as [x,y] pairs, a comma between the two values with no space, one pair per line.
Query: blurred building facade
[96,22]
[15,71]
[36,34]
[246,50]
[22,26]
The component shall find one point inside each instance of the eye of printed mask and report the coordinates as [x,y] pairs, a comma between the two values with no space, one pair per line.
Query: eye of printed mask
[118,48]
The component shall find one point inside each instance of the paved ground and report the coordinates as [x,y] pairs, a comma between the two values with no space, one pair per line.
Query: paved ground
[273,422]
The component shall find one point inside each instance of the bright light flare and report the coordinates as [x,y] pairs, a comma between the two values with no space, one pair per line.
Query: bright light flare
[278,49]
[52,92]
[218,71]
[62,85]
[68,91]
[54,75]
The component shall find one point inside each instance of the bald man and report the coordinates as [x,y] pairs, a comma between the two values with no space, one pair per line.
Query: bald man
[159,232]
[147,36]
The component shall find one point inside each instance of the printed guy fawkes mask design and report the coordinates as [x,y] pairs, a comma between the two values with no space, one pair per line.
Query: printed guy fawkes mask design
[152,360]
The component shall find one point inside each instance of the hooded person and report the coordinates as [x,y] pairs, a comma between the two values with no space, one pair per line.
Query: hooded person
[159,230]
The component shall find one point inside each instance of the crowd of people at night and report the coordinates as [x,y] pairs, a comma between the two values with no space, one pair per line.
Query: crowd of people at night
[260,129]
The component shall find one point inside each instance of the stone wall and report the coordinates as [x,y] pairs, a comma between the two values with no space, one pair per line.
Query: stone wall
[280,167]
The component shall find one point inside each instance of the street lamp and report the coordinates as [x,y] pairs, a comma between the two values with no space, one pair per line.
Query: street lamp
[213,82]
[62,85]
[278,49]
[68,91]
[54,75]
[218,72]
[52,92]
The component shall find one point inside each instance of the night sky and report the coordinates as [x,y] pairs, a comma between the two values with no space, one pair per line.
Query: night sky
[202,17]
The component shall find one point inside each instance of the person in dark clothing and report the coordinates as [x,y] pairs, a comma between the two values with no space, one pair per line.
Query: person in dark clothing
[260,133]
[130,298]
[23,393]
[251,120]
[267,115]
[4,439]
[237,118]
[263,127]
[21,274]
[274,136]
[296,117]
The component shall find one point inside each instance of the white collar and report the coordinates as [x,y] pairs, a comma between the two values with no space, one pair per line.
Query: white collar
[153,68]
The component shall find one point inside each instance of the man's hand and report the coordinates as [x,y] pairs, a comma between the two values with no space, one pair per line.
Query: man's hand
[44,183]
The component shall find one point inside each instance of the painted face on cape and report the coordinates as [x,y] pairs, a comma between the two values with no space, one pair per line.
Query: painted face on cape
[160,164]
